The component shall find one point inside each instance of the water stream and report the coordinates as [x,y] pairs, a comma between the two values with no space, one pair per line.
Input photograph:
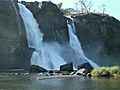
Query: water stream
[44,55]
[50,55]
[76,45]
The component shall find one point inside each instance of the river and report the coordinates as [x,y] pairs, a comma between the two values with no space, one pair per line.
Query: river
[29,82]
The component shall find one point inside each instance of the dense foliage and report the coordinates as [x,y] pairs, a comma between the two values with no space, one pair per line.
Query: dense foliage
[112,71]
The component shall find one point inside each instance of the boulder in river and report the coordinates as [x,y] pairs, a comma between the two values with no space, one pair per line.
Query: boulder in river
[86,66]
[37,69]
[67,67]
[82,72]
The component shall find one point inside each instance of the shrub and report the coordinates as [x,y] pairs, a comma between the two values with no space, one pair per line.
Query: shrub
[96,72]
[114,70]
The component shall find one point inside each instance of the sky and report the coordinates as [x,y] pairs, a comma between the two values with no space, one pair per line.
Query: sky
[112,6]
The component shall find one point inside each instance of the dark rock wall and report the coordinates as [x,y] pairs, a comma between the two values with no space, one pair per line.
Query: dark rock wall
[14,52]
[51,21]
[99,34]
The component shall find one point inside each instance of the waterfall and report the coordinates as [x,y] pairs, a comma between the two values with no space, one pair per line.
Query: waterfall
[34,36]
[45,54]
[51,55]
[76,45]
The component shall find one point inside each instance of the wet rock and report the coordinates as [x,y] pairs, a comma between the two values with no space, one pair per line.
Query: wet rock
[65,73]
[36,69]
[51,71]
[82,72]
[25,74]
[67,67]
[105,74]
[86,66]
[89,75]
[16,74]
[72,73]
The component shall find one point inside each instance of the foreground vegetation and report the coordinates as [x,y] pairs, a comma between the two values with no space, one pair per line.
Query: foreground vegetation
[113,71]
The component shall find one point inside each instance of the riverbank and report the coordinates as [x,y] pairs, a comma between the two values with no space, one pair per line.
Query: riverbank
[99,72]
[29,82]
[56,77]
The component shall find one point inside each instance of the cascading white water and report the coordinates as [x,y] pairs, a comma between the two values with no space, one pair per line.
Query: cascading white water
[76,45]
[50,55]
[34,36]
[44,56]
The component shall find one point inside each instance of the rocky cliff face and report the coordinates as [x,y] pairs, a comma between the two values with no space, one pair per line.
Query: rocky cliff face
[99,34]
[51,20]
[14,53]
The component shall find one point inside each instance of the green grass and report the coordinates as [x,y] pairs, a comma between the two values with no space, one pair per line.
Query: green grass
[114,71]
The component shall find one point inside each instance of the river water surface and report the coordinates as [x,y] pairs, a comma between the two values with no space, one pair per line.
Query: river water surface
[29,82]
